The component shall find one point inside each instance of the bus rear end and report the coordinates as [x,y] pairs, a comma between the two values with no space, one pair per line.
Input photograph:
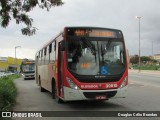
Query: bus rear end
[94,64]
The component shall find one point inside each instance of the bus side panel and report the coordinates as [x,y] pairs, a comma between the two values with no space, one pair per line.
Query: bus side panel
[51,75]
[43,76]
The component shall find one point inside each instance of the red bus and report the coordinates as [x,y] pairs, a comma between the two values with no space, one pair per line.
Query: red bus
[84,63]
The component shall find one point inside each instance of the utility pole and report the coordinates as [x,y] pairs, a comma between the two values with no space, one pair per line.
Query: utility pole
[15,57]
[139,18]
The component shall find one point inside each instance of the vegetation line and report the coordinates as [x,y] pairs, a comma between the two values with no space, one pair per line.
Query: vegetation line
[146,63]
[8,92]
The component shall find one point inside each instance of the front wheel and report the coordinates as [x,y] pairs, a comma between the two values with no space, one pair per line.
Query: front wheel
[54,94]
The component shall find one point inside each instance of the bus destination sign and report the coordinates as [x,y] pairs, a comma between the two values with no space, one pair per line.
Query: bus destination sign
[28,62]
[95,33]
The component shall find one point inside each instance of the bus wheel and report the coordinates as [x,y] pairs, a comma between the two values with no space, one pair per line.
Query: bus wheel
[53,91]
[41,88]
[54,94]
[59,100]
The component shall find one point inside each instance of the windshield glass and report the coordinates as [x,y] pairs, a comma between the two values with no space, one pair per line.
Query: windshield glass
[98,57]
[28,68]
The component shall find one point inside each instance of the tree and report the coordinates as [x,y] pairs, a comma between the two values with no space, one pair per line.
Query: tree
[154,61]
[145,58]
[18,9]
[134,59]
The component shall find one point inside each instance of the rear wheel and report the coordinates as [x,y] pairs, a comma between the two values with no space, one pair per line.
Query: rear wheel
[41,88]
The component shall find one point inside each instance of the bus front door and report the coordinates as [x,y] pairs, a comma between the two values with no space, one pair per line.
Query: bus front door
[60,70]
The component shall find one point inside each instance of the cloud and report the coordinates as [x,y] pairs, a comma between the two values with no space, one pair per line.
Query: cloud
[118,14]
[20,53]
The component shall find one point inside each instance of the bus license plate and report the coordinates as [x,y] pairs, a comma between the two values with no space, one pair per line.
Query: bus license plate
[101,97]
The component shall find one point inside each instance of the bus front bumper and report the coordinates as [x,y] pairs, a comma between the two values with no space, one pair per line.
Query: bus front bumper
[28,76]
[71,94]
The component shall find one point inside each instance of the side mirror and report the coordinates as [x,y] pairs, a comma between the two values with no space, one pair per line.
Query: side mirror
[62,45]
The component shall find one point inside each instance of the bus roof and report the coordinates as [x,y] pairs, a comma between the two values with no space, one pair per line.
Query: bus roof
[50,41]
[75,27]
[91,27]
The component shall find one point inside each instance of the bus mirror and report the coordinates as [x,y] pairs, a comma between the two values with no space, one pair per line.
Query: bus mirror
[62,45]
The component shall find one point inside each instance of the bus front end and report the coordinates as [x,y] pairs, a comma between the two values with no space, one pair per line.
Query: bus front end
[28,70]
[95,64]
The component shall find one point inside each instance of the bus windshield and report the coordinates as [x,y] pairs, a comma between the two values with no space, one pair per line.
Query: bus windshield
[28,68]
[96,57]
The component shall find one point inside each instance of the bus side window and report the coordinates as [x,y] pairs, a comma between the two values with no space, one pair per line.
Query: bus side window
[42,61]
[37,58]
[40,57]
[39,54]
[50,50]
[52,54]
[45,51]
[47,55]
[55,46]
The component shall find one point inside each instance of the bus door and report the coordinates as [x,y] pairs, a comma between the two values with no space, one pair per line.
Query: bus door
[60,69]
[36,70]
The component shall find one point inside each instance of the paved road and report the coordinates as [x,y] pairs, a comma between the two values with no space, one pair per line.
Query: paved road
[143,95]
[145,78]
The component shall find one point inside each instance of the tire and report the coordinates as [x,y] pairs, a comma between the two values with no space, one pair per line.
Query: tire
[54,94]
[53,90]
[41,88]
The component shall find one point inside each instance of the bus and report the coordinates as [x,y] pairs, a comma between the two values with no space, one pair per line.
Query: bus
[28,69]
[83,63]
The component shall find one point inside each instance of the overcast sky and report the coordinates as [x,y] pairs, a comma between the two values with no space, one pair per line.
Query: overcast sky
[117,14]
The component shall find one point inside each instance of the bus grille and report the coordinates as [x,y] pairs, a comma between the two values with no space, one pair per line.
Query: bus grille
[92,95]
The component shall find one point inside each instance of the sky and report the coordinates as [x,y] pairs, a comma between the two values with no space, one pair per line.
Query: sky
[117,14]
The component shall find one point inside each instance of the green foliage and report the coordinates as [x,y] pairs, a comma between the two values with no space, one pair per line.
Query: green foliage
[154,61]
[8,92]
[145,58]
[134,59]
[148,67]
[18,9]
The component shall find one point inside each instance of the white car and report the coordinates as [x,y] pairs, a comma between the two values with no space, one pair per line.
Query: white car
[2,74]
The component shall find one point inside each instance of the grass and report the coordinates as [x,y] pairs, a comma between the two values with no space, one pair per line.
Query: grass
[151,67]
[8,92]
[148,67]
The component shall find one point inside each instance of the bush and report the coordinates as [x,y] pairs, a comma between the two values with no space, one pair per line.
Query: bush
[8,92]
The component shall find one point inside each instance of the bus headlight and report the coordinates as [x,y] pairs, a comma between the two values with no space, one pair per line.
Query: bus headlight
[124,82]
[72,84]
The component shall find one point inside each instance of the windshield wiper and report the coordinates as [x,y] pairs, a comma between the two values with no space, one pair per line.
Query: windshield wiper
[105,50]
[89,45]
